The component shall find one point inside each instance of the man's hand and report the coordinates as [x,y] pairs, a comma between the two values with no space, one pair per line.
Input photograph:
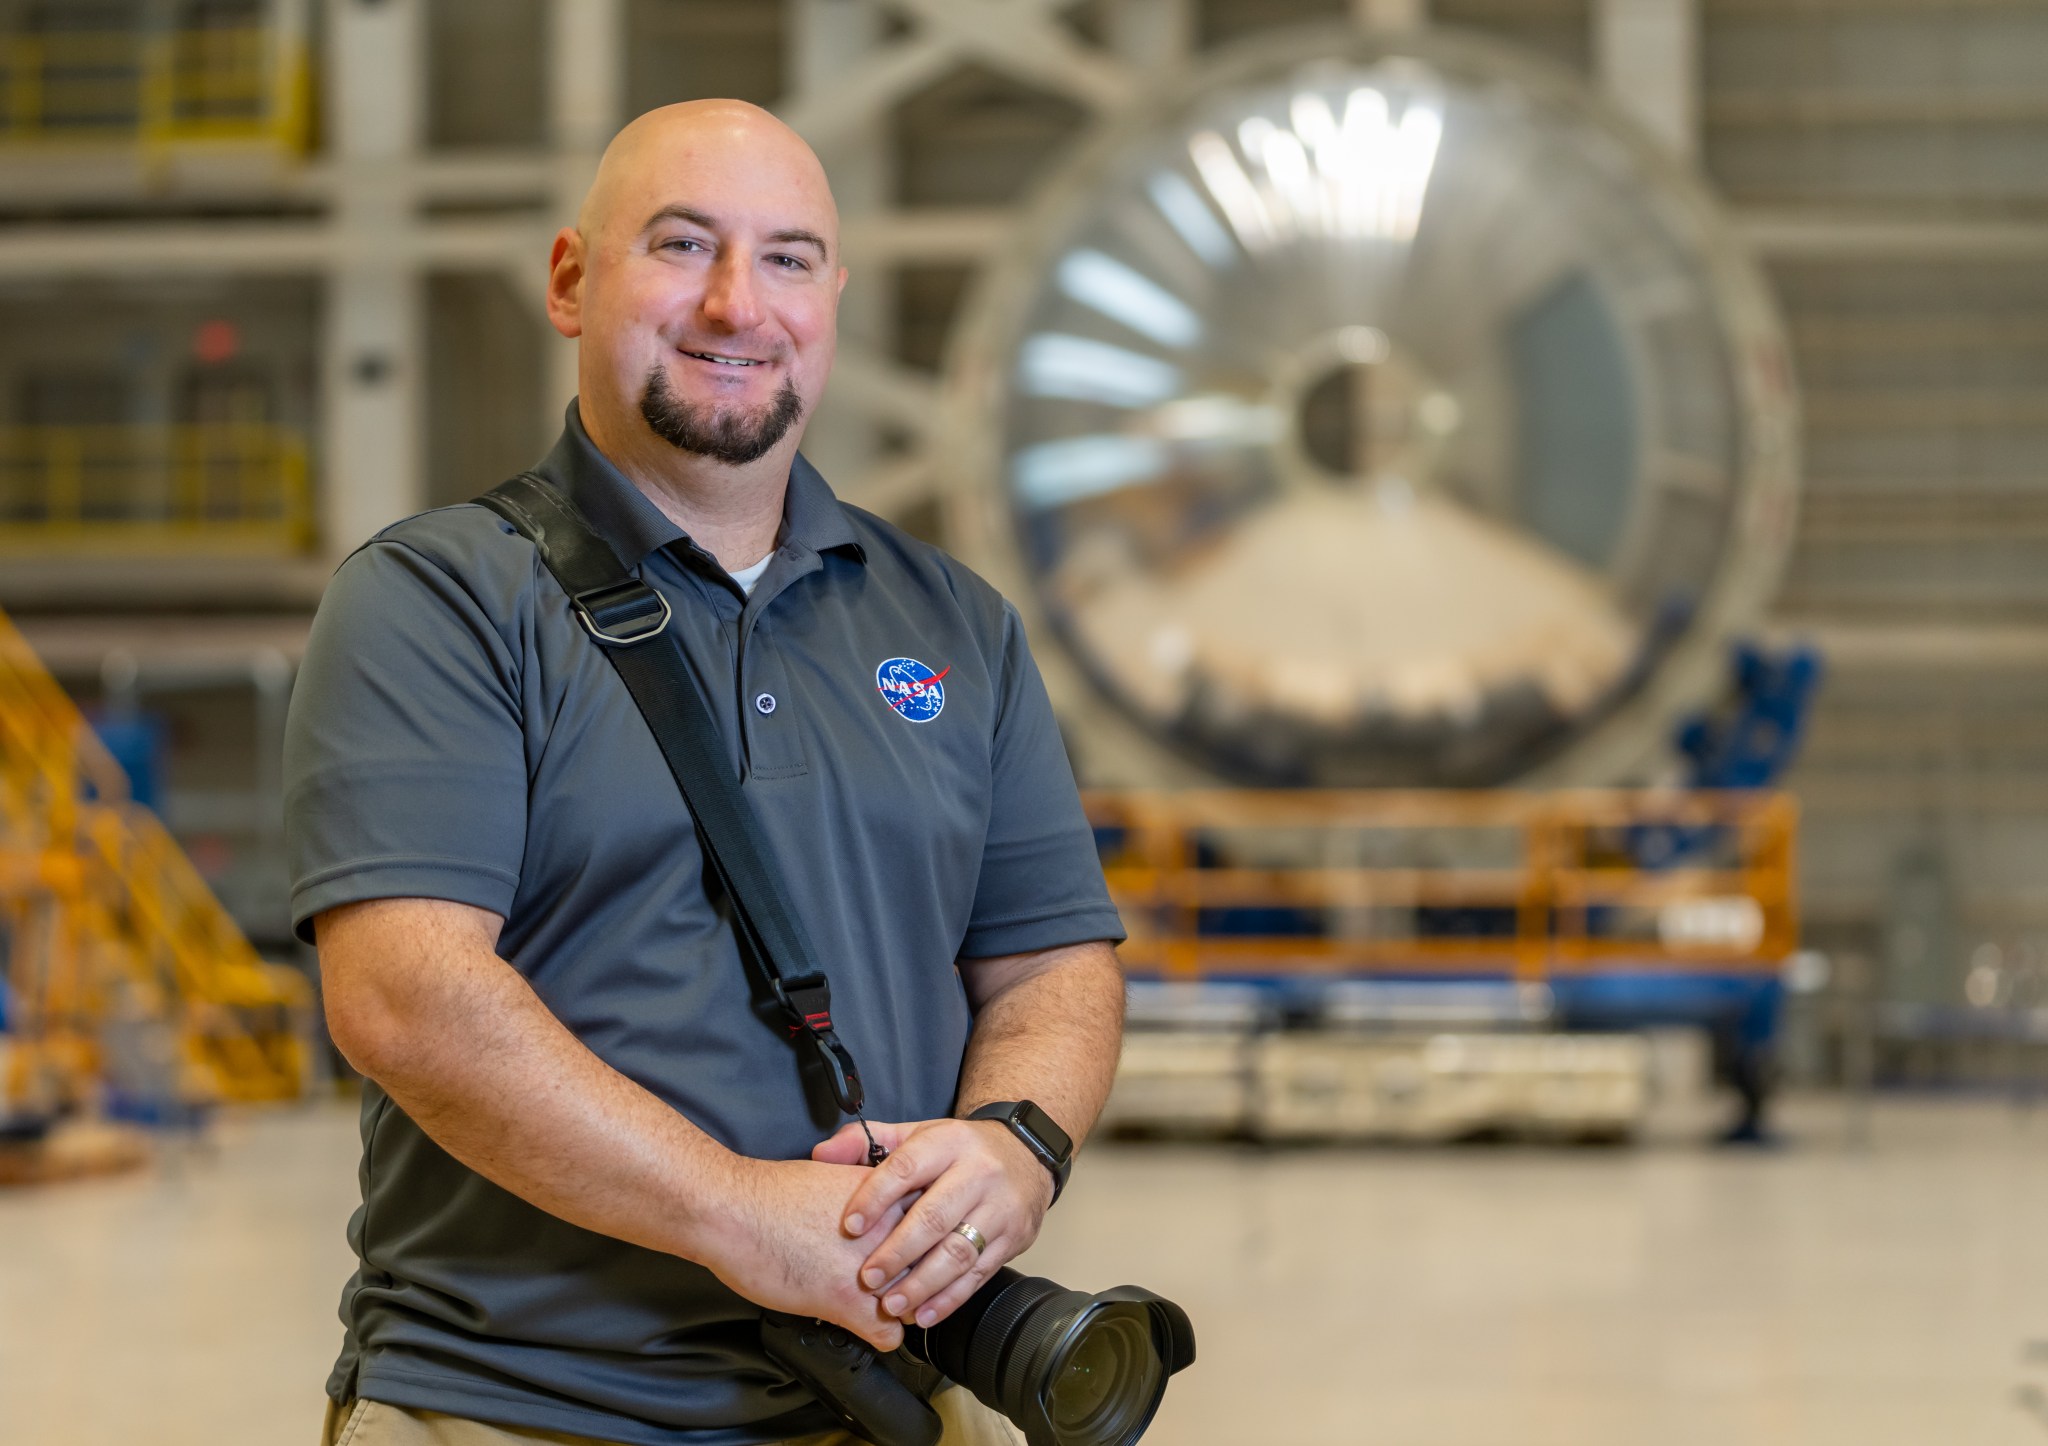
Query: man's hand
[972,1171]
[785,1249]
[1046,1028]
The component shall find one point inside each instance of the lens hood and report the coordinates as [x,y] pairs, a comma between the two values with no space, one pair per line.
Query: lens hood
[1069,1368]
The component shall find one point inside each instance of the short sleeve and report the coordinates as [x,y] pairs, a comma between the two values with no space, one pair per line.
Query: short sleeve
[1041,883]
[405,771]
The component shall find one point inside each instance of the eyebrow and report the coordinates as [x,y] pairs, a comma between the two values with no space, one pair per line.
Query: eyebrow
[793,236]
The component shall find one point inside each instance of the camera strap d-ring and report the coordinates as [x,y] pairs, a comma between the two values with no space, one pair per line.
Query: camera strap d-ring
[807,1003]
[630,621]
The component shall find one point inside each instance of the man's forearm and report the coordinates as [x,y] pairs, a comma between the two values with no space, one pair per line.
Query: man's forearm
[462,1044]
[1047,1028]
[419,1000]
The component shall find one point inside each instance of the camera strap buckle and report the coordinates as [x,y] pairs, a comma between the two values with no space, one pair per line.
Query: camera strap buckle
[807,1001]
[623,614]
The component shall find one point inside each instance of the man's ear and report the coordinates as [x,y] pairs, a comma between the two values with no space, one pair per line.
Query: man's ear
[565,282]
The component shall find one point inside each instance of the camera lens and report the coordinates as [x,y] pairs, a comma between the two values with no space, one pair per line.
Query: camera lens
[1090,1374]
[1072,1369]
[1106,1385]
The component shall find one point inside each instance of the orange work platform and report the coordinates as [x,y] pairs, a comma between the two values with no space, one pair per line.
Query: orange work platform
[1527,885]
[117,960]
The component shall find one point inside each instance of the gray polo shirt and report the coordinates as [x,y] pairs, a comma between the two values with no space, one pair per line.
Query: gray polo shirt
[454,734]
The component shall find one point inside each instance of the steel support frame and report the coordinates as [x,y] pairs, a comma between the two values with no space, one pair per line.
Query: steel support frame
[378,240]
[586,106]
[846,435]
[1647,56]
[373,337]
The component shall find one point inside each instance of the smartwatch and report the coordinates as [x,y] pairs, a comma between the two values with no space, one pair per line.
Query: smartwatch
[1052,1145]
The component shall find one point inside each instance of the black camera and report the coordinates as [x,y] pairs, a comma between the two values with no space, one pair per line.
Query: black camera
[1071,1369]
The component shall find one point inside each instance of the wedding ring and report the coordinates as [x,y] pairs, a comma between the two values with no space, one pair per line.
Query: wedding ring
[974,1237]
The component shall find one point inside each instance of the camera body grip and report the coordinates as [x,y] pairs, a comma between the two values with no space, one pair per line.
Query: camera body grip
[854,1381]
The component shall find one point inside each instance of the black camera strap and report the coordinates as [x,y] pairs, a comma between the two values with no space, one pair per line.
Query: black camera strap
[630,621]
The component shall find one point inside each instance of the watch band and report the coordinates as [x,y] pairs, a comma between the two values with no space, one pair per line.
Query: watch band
[1053,1146]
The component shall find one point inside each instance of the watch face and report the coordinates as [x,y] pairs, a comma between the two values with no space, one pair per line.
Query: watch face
[1041,1125]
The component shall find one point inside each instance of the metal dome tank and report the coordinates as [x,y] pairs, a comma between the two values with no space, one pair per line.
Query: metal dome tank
[1373,409]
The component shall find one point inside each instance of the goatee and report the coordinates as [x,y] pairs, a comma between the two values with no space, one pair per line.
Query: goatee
[724,434]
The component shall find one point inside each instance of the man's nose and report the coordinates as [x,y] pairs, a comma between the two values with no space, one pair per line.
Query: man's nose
[730,299]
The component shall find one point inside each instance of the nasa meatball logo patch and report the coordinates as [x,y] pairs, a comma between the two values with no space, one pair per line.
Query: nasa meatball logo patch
[913,690]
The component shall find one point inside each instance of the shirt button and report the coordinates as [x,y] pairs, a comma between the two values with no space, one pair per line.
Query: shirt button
[764,704]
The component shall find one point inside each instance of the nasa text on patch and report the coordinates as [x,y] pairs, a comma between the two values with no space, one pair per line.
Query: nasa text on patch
[912,689]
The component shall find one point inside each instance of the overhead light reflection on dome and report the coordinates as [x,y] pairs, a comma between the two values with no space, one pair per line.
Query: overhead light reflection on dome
[1361,160]
[1124,295]
[1233,191]
[1052,364]
[1422,130]
[1190,218]
[1290,194]
[1365,178]
[1216,420]
[1317,128]
[1052,474]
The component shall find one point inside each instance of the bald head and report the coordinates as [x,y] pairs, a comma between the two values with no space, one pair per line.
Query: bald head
[658,153]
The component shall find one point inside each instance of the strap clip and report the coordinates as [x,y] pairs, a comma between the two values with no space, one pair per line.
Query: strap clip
[622,614]
[807,1001]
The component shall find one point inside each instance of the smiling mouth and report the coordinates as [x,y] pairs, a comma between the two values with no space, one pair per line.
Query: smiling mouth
[726,361]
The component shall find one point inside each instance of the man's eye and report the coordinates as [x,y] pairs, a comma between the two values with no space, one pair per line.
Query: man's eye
[682,243]
[790,263]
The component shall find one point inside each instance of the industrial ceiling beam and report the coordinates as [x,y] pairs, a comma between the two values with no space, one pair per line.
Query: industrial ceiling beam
[894,485]
[886,389]
[1390,14]
[826,39]
[1832,235]
[162,248]
[373,342]
[1959,647]
[1026,42]
[866,90]
[1647,54]
[911,235]
[899,236]
[586,106]
[1155,35]
[1017,37]
[271,248]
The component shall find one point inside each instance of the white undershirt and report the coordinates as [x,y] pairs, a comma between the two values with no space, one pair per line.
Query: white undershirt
[746,577]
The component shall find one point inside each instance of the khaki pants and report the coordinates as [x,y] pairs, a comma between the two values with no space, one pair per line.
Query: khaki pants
[373,1423]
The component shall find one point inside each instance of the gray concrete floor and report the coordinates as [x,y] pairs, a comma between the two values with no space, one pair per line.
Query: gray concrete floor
[1817,1293]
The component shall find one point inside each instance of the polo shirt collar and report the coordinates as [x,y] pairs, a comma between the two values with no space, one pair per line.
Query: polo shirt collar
[812,516]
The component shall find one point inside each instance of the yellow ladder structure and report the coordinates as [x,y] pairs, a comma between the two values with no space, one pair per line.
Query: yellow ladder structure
[110,942]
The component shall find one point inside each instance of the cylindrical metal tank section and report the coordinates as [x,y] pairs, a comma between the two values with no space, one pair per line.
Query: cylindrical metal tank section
[1374,409]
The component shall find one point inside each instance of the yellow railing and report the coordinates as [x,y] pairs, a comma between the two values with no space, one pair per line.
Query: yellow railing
[224,487]
[119,962]
[185,87]
[1530,885]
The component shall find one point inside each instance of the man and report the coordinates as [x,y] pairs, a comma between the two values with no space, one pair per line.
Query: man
[587,1158]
